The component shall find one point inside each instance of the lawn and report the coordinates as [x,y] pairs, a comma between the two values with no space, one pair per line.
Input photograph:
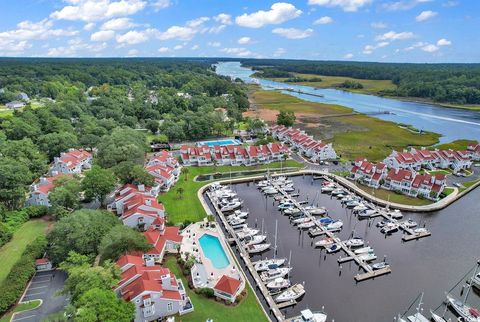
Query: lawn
[467,185]
[352,135]
[10,253]
[248,310]
[456,145]
[187,206]
[27,306]
[448,190]
[394,197]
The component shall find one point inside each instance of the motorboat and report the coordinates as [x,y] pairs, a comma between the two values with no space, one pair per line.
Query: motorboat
[291,211]
[289,189]
[436,317]
[271,274]
[306,225]
[239,226]
[285,206]
[240,214]
[301,220]
[468,313]
[247,232]
[325,220]
[352,204]
[382,223]
[278,284]
[408,223]
[476,281]
[266,264]
[327,189]
[389,228]
[236,221]
[257,248]
[309,316]
[337,192]
[340,195]
[355,242]
[395,214]
[367,213]
[363,250]
[380,265]
[367,257]
[292,293]
[334,226]
[417,317]
[420,230]
[360,207]
[257,239]
[271,191]
[231,206]
[316,211]
[325,242]
[333,248]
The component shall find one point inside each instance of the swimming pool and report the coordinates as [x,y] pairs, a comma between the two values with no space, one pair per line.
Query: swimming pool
[220,142]
[214,251]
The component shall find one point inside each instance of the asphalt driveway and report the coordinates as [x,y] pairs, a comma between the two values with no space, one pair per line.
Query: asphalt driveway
[44,286]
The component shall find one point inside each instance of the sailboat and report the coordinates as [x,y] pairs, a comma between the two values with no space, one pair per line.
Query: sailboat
[292,293]
[437,318]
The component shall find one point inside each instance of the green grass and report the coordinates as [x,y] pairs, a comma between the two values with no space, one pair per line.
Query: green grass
[27,306]
[468,184]
[247,310]
[446,172]
[448,190]
[10,253]
[392,196]
[456,145]
[188,207]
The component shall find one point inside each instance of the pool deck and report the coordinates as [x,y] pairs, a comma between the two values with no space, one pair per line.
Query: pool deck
[204,273]
[221,142]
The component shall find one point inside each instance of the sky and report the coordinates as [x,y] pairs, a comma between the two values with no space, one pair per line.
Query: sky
[358,30]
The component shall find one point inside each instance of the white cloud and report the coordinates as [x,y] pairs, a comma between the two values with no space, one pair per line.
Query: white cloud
[102,35]
[214,44]
[133,52]
[197,22]
[195,47]
[163,50]
[132,37]
[89,26]
[178,47]
[348,56]
[293,33]
[415,45]
[450,4]
[94,10]
[403,5]
[217,29]
[118,24]
[443,42]
[279,52]
[75,47]
[392,35]
[430,48]
[368,49]
[378,25]
[323,21]
[223,18]
[161,4]
[244,40]
[346,5]
[240,52]
[279,12]
[425,15]
[177,32]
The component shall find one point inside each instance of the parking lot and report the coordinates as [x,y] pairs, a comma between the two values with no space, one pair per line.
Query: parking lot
[45,286]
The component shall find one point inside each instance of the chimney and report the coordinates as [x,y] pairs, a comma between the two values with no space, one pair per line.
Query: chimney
[141,187]
[396,170]
[148,202]
[149,262]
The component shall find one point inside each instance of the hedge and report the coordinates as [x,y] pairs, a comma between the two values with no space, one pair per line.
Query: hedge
[10,221]
[14,285]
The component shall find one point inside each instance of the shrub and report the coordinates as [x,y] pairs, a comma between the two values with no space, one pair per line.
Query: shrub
[5,234]
[12,287]
[36,211]
[207,292]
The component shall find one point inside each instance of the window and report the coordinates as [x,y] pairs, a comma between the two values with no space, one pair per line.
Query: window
[169,306]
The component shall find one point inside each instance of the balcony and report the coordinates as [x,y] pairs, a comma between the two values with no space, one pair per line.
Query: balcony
[187,307]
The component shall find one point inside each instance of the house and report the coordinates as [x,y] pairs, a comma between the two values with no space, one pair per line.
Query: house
[163,239]
[39,191]
[23,97]
[403,160]
[474,151]
[368,173]
[399,180]
[43,264]
[227,288]
[154,290]
[128,191]
[73,161]
[192,155]
[141,211]
[14,105]
[415,185]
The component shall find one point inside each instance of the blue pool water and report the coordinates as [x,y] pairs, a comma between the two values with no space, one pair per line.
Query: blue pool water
[213,250]
[220,142]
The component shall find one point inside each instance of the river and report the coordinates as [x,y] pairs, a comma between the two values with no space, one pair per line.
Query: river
[451,123]
[432,265]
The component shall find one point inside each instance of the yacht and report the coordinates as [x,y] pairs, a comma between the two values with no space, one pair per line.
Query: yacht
[360,207]
[325,220]
[334,226]
[316,211]
[272,274]
[469,314]
[292,293]
[363,250]
[380,265]
[325,242]
[266,264]
[306,225]
[231,206]
[247,232]
[291,211]
[354,242]
[270,191]
[240,214]
[396,214]
[352,204]
[289,189]
[367,213]
[409,223]
[238,226]
[257,239]
[327,189]
[337,191]
[389,228]
[309,316]
[257,248]
[285,206]
[333,248]
[301,220]
[476,281]
[436,317]
[236,221]
[367,257]
[278,284]
[420,230]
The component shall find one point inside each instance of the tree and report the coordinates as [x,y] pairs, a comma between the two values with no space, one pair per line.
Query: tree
[129,172]
[98,183]
[120,240]
[55,143]
[286,118]
[80,231]
[98,305]
[180,192]
[14,178]
[121,145]
[152,125]
[185,171]
[66,194]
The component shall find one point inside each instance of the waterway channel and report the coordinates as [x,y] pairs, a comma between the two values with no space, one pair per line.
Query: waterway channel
[451,123]
[432,265]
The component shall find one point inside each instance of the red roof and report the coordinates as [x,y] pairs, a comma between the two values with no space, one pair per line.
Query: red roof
[158,238]
[42,261]
[228,285]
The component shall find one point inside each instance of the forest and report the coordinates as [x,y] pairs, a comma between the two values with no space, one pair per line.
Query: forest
[448,83]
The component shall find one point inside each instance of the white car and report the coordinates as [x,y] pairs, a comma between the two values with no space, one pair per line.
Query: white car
[458,185]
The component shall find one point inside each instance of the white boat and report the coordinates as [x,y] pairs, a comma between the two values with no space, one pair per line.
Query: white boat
[396,214]
[337,191]
[266,264]
[240,214]
[270,191]
[327,189]
[436,317]
[380,265]
[325,242]
[306,225]
[247,232]
[333,248]
[476,281]
[420,230]
[359,208]
[309,316]
[278,284]
[367,257]
[257,239]
[291,211]
[408,223]
[363,250]
[367,213]
[417,317]
[236,221]
[301,220]
[231,206]
[352,204]
[316,211]
[271,274]
[289,189]
[354,242]
[239,226]
[389,228]
[292,293]
[469,314]
[334,226]
[257,248]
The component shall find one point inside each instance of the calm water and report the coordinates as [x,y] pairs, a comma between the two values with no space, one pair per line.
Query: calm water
[453,124]
[433,265]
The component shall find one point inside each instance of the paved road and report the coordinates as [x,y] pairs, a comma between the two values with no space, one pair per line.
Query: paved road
[44,286]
